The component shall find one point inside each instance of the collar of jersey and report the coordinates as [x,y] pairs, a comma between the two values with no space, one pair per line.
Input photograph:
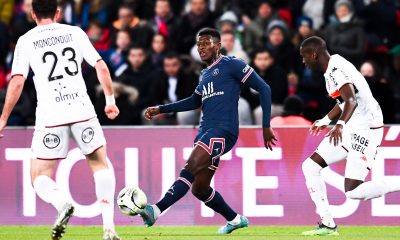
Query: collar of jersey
[216,61]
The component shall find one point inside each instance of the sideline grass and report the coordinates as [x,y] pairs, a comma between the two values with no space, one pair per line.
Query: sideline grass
[198,233]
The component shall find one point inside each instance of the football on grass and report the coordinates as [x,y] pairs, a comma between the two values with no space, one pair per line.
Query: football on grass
[131,200]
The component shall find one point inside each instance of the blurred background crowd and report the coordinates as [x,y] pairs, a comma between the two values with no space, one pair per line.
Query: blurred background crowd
[149,46]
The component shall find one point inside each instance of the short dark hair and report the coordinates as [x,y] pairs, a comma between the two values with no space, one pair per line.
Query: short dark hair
[293,105]
[211,32]
[44,8]
[314,43]
[172,54]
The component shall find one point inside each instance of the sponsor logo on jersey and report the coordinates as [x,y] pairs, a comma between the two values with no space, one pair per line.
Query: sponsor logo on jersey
[208,91]
[51,140]
[63,97]
[245,69]
[87,135]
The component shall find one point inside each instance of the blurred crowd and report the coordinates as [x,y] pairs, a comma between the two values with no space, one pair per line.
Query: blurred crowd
[149,46]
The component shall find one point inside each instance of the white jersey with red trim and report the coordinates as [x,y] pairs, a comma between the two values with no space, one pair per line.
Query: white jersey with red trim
[55,53]
[341,72]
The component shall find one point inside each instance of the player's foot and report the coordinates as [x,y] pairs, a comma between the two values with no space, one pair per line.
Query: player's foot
[58,230]
[148,216]
[322,230]
[110,235]
[228,228]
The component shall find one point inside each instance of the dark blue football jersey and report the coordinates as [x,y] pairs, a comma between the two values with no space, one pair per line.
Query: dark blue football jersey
[219,88]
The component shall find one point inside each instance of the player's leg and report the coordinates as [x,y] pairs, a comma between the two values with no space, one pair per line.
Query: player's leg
[90,139]
[198,160]
[326,154]
[49,145]
[358,165]
[201,189]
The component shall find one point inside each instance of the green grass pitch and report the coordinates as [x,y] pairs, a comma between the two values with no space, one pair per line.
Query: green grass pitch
[198,233]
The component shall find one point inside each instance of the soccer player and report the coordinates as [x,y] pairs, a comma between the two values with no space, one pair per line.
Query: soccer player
[218,94]
[356,135]
[55,52]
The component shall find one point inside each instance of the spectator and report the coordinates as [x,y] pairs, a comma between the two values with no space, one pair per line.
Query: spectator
[280,46]
[158,49]
[173,84]
[346,36]
[292,114]
[23,22]
[255,32]
[275,76]
[116,57]
[164,21]
[99,36]
[304,29]
[92,10]
[199,17]
[380,89]
[228,42]
[141,32]
[6,11]
[318,10]
[139,76]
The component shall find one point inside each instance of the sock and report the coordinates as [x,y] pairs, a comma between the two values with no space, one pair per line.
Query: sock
[156,210]
[105,189]
[317,189]
[235,221]
[179,189]
[49,192]
[216,202]
[374,189]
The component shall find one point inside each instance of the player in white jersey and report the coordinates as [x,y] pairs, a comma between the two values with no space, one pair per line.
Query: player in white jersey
[55,52]
[356,136]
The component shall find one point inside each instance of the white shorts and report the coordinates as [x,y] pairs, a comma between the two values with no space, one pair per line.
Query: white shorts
[359,147]
[53,143]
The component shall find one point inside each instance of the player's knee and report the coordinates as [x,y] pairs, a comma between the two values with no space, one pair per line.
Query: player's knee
[310,167]
[199,192]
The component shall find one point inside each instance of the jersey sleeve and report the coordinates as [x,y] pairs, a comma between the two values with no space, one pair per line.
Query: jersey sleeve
[89,53]
[240,70]
[20,65]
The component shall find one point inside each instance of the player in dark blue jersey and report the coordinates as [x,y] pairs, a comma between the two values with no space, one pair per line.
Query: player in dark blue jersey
[218,94]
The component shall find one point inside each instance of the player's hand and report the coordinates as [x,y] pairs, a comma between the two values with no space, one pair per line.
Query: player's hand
[335,134]
[111,111]
[316,128]
[151,112]
[269,138]
[3,124]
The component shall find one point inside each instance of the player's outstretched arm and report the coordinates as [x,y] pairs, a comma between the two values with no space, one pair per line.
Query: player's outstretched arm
[103,74]
[255,82]
[14,91]
[186,104]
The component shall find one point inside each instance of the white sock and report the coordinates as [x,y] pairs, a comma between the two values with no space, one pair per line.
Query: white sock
[105,189]
[49,192]
[317,189]
[235,221]
[156,210]
[374,189]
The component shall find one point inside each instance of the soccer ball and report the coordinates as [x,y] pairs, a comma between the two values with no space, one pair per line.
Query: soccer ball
[131,200]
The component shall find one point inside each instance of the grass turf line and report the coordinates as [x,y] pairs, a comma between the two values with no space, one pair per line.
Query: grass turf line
[198,233]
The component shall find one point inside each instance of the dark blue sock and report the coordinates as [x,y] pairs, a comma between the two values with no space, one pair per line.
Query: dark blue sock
[180,187]
[216,202]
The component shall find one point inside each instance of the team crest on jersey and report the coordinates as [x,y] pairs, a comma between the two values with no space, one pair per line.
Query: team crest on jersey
[215,72]
[87,135]
[51,140]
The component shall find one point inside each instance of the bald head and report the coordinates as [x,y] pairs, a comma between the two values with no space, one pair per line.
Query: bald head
[313,44]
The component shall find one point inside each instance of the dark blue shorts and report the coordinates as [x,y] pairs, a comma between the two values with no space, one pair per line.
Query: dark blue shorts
[216,142]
